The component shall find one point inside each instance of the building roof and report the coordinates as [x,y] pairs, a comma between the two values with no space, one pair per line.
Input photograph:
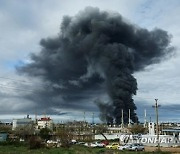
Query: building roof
[45,119]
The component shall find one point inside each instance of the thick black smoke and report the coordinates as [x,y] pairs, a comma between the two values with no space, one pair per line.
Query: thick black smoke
[98,49]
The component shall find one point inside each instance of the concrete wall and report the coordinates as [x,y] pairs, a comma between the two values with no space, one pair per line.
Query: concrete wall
[150,140]
[108,136]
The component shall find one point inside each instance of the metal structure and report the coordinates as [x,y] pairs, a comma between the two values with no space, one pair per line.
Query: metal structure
[157,123]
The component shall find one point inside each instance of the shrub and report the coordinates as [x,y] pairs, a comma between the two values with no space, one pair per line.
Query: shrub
[35,142]
[45,133]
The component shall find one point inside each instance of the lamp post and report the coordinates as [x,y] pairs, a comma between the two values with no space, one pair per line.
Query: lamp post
[157,123]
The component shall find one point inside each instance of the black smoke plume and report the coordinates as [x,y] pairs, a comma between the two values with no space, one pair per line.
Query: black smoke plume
[98,50]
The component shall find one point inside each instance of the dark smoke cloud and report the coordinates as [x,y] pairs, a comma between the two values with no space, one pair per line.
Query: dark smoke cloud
[97,50]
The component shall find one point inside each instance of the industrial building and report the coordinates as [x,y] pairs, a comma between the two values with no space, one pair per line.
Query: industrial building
[24,122]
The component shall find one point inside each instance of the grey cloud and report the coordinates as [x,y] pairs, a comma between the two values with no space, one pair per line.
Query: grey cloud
[104,41]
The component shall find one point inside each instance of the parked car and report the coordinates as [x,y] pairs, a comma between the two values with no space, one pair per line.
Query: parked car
[106,142]
[113,146]
[136,147]
[93,145]
[81,143]
[73,142]
[52,143]
[124,147]
[99,144]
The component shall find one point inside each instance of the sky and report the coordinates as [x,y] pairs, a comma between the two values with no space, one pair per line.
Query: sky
[24,23]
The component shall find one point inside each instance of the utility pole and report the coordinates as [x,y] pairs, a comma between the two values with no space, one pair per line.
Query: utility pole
[35,118]
[157,123]
[93,118]
[84,116]
[145,121]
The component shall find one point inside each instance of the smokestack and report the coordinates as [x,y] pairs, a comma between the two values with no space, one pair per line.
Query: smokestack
[122,118]
[129,124]
[96,50]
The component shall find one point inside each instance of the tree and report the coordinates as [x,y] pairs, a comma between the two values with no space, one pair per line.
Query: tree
[101,129]
[5,128]
[35,142]
[24,131]
[64,135]
[45,133]
[137,129]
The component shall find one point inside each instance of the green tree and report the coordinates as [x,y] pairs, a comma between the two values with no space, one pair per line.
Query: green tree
[45,133]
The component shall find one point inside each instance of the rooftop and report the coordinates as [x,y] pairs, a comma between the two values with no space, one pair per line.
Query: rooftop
[45,119]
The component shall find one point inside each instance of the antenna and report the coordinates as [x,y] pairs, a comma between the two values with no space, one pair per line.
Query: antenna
[84,116]
[45,113]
